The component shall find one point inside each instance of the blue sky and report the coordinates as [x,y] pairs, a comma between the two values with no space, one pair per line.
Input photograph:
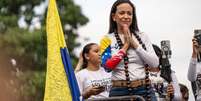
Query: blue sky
[172,20]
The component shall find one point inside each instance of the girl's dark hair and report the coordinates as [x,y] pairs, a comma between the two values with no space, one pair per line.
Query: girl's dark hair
[113,26]
[86,50]
[158,52]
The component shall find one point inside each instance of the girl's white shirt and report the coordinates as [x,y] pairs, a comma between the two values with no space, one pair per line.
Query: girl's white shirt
[86,78]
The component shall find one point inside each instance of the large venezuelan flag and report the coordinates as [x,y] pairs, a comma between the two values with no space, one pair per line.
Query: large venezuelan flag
[61,84]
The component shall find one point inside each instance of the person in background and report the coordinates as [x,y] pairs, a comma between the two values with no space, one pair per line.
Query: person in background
[194,70]
[163,90]
[92,79]
[127,53]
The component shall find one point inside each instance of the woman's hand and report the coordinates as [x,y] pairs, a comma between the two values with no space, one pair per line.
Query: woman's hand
[195,48]
[126,38]
[95,90]
[133,42]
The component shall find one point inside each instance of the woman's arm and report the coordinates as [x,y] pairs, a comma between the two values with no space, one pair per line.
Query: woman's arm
[192,70]
[192,75]
[177,93]
[149,56]
[109,61]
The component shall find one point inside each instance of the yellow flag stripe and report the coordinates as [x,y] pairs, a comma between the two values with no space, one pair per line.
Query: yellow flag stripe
[57,88]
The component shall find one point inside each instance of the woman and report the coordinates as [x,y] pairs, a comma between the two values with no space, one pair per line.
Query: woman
[163,90]
[93,81]
[126,52]
[194,70]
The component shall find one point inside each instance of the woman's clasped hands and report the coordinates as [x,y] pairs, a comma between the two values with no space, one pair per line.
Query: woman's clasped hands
[129,39]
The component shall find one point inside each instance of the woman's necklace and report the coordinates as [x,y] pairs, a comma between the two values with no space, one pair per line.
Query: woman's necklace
[120,44]
[126,61]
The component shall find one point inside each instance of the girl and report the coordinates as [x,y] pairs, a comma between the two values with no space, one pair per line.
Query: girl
[93,81]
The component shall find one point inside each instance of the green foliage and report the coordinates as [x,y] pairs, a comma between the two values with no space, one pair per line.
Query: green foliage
[32,85]
[28,47]
[13,6]
[9,20]
[71,15]
[12,9]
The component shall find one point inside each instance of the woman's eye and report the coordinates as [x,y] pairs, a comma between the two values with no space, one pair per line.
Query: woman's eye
[129,13]
[121,13]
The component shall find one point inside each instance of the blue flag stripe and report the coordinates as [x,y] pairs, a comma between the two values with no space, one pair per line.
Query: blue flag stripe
[70,74]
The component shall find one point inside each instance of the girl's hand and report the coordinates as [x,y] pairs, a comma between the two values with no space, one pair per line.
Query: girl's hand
[95,90]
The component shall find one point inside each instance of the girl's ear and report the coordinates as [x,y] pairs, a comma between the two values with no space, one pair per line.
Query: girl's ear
[113,17]
[86,56]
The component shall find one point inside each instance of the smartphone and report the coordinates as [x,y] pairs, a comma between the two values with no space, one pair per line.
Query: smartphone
[165,48]
[101,87]
[197,35]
